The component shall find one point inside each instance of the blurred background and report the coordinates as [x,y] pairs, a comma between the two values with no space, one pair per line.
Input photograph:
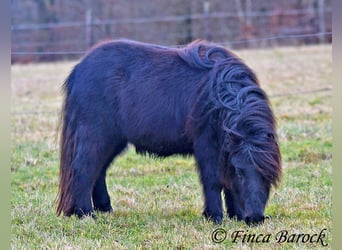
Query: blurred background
[51,30]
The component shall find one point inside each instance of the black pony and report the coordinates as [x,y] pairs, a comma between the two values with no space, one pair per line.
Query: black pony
[201,100]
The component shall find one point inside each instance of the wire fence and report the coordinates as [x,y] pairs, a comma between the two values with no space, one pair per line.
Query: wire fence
[197,16]
[254,28]
[280,37]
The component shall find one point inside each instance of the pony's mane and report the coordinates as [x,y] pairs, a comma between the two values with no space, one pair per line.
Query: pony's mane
[232,96]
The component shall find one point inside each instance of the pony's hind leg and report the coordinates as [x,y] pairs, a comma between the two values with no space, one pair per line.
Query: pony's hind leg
[94,149]
[83,178]
[101,199]
[100,194]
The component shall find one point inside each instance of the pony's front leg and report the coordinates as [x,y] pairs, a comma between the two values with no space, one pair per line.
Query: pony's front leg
[207,160]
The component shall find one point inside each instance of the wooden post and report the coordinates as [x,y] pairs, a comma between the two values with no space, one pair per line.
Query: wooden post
[88,29]
[321,21]
[206,6]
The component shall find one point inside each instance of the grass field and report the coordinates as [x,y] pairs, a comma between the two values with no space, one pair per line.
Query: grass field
[158,203]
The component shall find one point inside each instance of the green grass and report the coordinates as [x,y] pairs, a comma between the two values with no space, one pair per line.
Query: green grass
[158,203]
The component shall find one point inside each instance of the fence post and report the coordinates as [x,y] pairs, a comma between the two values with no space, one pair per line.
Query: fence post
[88,29]
[206,6]
[321,21]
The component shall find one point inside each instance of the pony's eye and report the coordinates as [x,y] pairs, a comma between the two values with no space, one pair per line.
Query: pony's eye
[270,136]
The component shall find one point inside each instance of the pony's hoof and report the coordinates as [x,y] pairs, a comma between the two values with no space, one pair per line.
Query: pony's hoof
[216,219]
[81,214]
[104,209]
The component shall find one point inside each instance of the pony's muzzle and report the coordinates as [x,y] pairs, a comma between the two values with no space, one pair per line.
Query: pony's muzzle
[254,219]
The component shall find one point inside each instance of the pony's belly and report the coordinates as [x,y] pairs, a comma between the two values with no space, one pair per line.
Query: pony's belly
[164,149]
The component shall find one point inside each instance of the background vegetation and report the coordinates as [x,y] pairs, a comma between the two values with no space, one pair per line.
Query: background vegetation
[158,203]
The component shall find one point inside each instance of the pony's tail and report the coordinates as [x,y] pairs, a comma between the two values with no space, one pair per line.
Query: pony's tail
[65,198]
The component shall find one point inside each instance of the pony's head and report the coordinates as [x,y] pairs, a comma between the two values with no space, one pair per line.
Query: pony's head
[250,168]
[239,112]
[250,156]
